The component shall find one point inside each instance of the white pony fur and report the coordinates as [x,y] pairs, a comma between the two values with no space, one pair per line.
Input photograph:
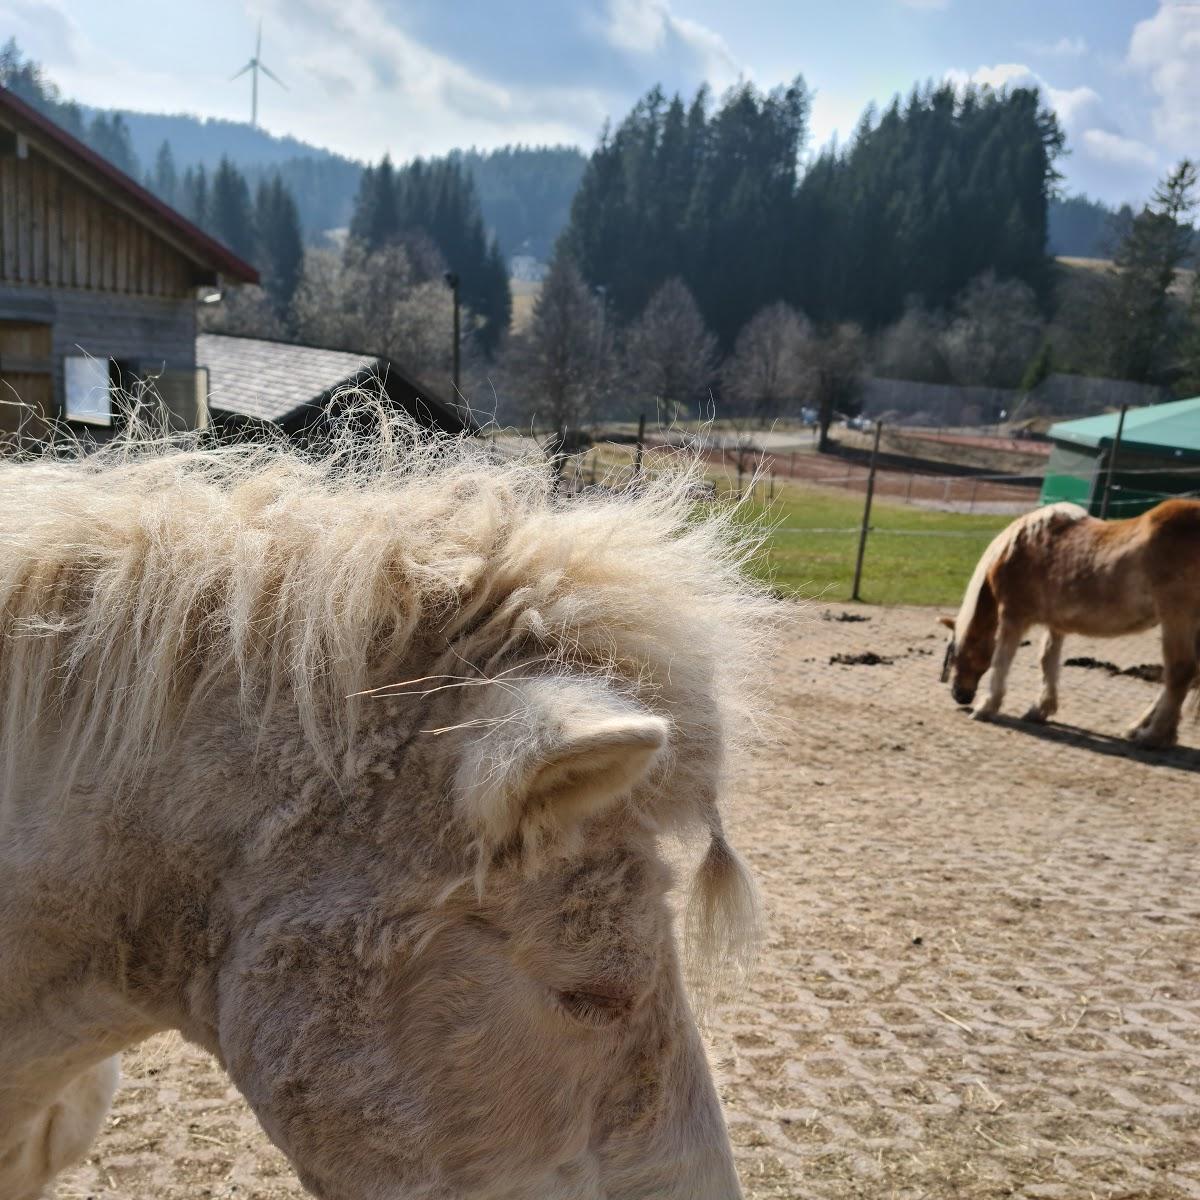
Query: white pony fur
[141,579]
[558,751]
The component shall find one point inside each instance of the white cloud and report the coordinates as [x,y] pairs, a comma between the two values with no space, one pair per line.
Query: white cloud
[1065,47]
[1118,150]
[648,27]
[1166,48]
[43,29]
[1103,156]
[1070,104]
[637,25]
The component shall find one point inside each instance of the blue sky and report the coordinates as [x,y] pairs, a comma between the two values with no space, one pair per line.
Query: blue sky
[421,76]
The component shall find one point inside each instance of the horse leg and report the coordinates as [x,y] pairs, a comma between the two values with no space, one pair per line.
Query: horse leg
[1051,659]
[1160,725]
[1007,641]
[59,1134]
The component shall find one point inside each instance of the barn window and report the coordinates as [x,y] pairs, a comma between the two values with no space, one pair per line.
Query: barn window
[89,389]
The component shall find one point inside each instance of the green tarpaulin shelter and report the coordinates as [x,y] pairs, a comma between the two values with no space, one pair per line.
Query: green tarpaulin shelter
[1159,457]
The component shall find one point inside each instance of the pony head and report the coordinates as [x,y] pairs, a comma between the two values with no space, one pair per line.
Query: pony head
[970,647]
[373,770]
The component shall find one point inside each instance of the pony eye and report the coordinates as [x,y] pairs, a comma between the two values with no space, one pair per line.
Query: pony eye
[594,1008]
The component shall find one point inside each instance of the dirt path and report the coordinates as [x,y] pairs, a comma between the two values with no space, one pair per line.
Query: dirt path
[982,972]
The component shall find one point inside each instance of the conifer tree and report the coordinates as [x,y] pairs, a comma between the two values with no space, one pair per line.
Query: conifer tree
[280,247]
[436,199]
[230,218]
[194,195]
[1137,317]
[109,137]
[165,182]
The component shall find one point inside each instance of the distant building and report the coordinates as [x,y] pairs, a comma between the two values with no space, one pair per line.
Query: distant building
[251,381]
[1159,457]
[527,268]
[99,282]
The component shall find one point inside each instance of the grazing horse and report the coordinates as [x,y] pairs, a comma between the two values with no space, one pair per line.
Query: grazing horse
[1072,573]
[356,771]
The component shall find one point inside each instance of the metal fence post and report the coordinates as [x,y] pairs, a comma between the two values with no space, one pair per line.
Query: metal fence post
[866,517]
[1112,462]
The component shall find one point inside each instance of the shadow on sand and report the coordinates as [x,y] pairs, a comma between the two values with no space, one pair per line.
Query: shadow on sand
[1178,758]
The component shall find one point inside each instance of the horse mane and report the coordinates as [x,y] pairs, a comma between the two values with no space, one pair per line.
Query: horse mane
[141,578]
[997,549]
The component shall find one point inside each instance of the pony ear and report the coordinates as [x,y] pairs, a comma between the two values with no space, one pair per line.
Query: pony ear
[554,752]
[947,621]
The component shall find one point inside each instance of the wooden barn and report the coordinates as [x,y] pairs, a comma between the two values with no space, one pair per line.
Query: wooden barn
[99,282]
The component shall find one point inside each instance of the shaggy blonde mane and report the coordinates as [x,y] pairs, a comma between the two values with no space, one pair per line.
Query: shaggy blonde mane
[997,549]
[141,579]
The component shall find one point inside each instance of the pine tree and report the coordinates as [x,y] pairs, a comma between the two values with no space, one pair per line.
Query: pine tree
[109,137]
[194,202]
[677,190]
[164,182]
[1136,316]
[375,222]
[436,200]
[280,247]
[229,213]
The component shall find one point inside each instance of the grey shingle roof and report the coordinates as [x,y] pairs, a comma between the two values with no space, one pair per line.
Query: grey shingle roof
[271,380]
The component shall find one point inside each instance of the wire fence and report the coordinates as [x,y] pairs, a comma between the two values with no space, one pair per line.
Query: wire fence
[950,517]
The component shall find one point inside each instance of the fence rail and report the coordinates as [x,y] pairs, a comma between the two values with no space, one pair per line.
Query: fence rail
[759,475]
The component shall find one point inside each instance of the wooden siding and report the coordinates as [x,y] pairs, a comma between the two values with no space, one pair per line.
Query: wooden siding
[55,232]
[25,375]
[148,334]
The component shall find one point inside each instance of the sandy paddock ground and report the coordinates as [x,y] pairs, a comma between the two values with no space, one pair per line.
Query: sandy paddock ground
[981,976]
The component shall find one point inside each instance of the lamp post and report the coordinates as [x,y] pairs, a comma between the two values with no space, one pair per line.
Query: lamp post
[452,283]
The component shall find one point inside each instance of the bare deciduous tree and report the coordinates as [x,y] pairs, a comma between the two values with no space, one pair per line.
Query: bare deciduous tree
[246,311]
[670,354]
[836,360]
[994,333]
[379,303]
[914,347]
[766,374]
[561,368]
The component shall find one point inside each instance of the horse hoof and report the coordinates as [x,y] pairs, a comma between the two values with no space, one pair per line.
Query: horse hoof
[1036,716]
[1148,739]
[983,713]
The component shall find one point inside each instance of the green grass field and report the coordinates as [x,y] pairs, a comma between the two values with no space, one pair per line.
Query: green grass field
[914,555]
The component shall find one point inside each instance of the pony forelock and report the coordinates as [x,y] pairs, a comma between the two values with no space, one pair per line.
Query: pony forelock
[139,580]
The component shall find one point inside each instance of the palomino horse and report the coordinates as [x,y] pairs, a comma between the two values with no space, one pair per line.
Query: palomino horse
[355,772]
[1072,573]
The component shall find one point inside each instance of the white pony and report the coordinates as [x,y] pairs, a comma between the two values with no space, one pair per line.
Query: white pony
[355,771]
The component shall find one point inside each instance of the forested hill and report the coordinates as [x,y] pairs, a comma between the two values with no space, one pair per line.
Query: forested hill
[1079,227]
[525,192]
[204,141]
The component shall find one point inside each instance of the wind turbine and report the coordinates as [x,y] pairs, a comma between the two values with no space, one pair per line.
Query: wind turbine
[255,65]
